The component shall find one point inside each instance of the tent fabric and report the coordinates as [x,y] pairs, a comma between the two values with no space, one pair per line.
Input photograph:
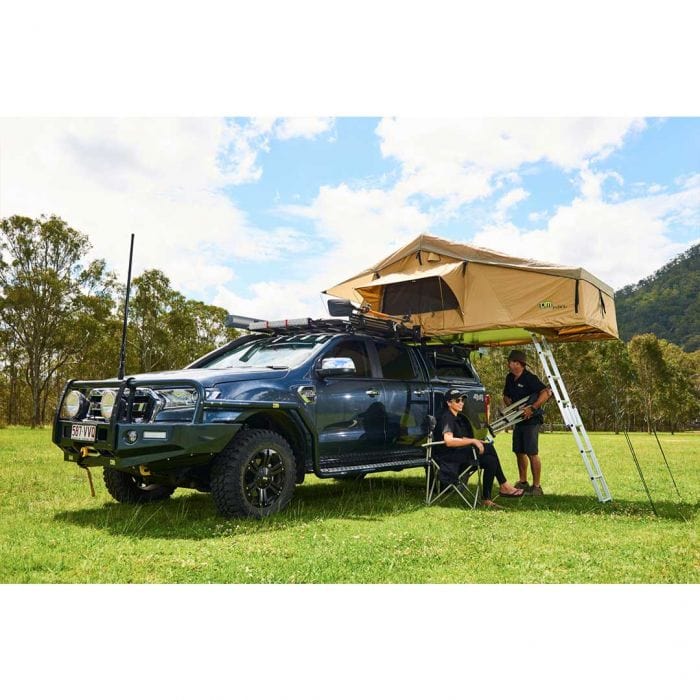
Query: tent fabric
[452,289]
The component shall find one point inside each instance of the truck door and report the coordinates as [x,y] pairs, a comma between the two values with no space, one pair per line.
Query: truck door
[350,412]
[407,398]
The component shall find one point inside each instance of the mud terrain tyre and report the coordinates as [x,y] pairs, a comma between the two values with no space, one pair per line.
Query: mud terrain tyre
[254,476]
[130,488]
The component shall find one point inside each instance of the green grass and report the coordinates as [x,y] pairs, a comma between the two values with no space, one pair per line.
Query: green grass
[377,531]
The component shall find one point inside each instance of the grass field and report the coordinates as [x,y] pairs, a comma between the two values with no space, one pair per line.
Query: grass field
[376,531]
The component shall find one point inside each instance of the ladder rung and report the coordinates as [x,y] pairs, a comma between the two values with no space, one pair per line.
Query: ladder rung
[572,418]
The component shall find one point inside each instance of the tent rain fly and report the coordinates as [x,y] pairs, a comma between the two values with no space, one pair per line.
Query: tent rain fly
[482,296]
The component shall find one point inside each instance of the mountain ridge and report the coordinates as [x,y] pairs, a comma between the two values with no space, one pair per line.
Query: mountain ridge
[667,303]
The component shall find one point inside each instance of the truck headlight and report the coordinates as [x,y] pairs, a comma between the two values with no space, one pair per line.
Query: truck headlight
[109,398]
[74,406]
[177,398]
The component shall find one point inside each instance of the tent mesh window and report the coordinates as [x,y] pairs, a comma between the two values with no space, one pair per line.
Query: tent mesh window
[418,297]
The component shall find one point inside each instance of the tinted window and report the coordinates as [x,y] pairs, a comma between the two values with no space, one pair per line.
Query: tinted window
[395,361]
[356,350]
[449,366]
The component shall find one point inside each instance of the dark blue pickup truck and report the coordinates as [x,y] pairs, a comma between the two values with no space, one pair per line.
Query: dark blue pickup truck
[247,421]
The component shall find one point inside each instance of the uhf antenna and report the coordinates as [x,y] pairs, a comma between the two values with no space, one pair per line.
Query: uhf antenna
[122,352]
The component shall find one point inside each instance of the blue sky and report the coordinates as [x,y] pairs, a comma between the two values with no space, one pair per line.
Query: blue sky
[260,215]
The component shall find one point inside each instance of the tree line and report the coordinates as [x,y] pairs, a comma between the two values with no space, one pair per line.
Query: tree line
[645,384]
[61,318]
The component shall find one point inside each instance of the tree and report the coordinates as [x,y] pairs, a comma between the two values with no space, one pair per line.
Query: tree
[51,308]
[681,404]
[168,331]
[651,387]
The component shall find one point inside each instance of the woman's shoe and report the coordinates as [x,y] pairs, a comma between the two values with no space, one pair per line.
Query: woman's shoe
[516,493]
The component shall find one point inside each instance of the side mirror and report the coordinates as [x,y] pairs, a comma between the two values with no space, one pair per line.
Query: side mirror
[336,367]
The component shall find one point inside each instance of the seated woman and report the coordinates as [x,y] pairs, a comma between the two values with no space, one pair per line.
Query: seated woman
[456,431]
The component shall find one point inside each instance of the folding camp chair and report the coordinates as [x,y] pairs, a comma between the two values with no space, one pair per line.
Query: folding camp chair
[433,491]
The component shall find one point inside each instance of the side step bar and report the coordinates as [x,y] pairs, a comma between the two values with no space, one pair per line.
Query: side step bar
[395,465]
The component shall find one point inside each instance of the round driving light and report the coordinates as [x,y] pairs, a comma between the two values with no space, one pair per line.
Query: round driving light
[107,403]
[72,404]
[131,436]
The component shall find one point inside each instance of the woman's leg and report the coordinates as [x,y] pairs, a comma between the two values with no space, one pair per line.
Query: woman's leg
[490,455]
[490,467]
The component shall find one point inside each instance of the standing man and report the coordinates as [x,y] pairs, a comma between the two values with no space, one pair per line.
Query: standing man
[520,383]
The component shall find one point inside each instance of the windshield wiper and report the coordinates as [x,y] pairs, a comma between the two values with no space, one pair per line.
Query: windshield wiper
[277,366]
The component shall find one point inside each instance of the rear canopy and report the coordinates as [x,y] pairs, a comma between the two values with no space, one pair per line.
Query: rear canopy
[485,297]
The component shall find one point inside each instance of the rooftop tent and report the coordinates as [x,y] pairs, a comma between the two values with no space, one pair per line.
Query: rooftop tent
[485,297]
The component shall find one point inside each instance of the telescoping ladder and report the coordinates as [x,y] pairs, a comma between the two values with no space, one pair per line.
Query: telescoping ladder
[572,418]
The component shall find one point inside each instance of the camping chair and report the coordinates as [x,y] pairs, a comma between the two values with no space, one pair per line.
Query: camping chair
[433,491]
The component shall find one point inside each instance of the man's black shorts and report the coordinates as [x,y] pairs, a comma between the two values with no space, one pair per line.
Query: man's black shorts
[525,439]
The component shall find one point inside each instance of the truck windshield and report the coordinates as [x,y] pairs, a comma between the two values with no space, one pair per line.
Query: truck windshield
[279,351]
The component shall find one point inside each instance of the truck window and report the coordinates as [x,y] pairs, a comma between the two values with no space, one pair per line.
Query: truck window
[356,350]
[395,361]
[448,366]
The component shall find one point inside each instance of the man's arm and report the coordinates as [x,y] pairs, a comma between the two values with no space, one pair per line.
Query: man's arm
[506,399]
[542,398]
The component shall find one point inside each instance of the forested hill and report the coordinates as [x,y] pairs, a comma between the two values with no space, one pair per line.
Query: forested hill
[666,303]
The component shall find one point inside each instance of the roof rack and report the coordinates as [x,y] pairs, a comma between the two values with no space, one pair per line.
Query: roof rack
[357,321]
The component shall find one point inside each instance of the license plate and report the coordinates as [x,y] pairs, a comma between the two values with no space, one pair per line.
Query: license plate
[84,433]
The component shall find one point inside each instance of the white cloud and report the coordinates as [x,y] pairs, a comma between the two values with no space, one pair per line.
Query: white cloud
[361,225]
[450,163]
[591,183]
[510,199]
[438,148]
[158,178]
[245,140]
[300,127]
[274,300]
[620,243]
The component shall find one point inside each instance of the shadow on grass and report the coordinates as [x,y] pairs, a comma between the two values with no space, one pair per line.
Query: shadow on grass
[194,516]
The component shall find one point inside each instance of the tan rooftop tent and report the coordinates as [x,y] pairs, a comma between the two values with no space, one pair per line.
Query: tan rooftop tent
[485,297]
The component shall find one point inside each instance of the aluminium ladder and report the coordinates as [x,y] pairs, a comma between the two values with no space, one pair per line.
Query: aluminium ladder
[572,418]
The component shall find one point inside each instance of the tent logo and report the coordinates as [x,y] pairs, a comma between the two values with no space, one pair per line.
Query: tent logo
[551,305]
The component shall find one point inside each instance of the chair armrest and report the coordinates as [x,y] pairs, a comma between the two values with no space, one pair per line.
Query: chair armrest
[430,444]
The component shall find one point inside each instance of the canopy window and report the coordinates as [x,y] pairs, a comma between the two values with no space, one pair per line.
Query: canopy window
[418,297]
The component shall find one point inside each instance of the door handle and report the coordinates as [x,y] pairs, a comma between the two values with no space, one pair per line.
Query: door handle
[372,392]
[418,392]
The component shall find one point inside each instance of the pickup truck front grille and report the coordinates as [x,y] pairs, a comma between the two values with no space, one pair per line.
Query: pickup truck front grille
[142,409]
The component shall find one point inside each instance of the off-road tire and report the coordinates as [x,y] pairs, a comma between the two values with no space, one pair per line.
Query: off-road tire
[130,488]
[254,476]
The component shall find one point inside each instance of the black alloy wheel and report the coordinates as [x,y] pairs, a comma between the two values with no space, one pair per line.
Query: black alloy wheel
[254,476]
[263,478]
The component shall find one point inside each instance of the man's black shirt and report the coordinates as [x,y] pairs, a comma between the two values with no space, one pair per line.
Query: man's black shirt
[526,385]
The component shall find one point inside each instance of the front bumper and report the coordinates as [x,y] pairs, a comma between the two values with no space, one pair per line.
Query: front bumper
[208,428]
[172,444]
